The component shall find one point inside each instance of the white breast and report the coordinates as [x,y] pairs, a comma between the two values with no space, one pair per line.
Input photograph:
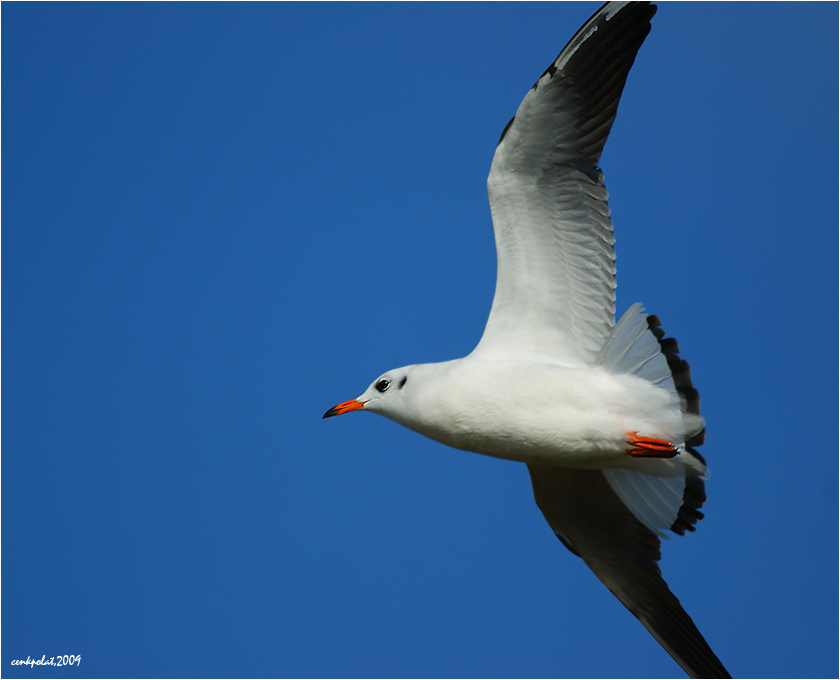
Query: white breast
[538,412]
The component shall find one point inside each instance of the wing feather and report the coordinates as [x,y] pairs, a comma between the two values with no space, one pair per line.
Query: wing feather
[590,520]
[555,288]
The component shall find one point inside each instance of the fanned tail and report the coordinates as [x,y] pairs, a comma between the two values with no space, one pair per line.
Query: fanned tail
[671,494]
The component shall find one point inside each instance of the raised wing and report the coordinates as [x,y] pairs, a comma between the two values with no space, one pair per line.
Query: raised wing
[555,287]
[591,521]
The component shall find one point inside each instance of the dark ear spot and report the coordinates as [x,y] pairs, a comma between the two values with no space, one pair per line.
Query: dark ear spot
[402,382]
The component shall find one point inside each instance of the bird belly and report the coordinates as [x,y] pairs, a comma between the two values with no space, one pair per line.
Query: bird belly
[573,442]
[550,415]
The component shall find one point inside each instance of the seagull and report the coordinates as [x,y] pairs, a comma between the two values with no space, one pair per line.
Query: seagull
[603,413]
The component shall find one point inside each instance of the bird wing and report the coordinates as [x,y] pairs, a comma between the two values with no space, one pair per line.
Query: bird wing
[555,287]
[592,522]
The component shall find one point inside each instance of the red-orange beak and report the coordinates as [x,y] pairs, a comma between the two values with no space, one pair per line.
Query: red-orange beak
[345,407]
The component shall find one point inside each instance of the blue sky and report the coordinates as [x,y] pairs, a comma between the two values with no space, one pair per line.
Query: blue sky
[221,220]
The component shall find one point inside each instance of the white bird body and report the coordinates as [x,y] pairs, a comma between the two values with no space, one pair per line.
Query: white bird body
[603,413]
[535,413]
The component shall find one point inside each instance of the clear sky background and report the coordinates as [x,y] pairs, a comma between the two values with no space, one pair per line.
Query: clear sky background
[220,220]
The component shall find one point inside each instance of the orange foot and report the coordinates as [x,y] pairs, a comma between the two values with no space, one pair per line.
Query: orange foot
[647,447]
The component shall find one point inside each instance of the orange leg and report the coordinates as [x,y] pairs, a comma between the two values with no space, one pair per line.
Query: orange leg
[648,447]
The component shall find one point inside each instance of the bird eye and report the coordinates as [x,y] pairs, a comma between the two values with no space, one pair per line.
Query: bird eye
[383,384]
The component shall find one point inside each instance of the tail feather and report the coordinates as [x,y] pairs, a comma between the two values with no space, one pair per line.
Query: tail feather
[631,350]
[669,494]
[680,374]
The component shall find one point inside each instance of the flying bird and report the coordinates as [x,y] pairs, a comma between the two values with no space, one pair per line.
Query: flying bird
[603,413]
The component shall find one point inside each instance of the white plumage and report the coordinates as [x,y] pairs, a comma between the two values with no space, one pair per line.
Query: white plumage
[604,414]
